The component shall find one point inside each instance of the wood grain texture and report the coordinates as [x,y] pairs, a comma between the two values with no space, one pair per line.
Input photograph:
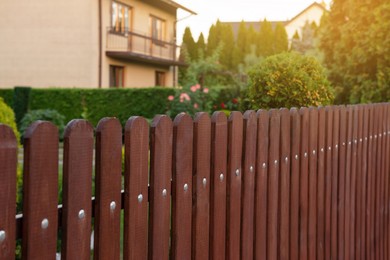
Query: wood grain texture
[370,188]
[248,184]
[295,178]
[348,161]
[219,137]
[352,220]
[313,153]
[336,144]
[273,184]
[160,187]
[261,186]
[201,186]
[304,185]
[182,187]
[40,191]
[323,193]
[77,190]
[284,192]
[108,189]
[364,181]
[8,164]
[358,187]
[135,244]
[234,178]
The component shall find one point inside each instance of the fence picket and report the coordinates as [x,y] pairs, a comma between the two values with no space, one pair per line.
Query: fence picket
[219,135]
[294,189]
[182,187]
[348,160]
[77,190]
[108,189]
[304,185]
[40,191]
[371,186]
[8,164]
[323,181]
[248,184]
[273,184]
[359,188]
[261,186]
[234,175]
[353,178]
[135,244]
[334,161]
[364,182]
[284,193]
[160,187]
[201,186]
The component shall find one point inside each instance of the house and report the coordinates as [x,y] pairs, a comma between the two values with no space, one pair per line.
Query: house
[88,43]
[312,13]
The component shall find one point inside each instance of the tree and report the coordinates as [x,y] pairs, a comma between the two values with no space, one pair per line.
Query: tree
[265,39]
[243,46]
[228,45]
[201,45]
[189,44]
[280,39]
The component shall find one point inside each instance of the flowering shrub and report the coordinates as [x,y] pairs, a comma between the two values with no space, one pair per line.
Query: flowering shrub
[231,105]
[190,99]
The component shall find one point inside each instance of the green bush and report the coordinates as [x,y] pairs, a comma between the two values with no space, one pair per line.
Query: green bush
[8,95]
[43,114]
[21,102]
[288,80]
[7,117]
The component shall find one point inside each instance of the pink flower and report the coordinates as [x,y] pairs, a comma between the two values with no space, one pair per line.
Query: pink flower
[184,96]
[223,105]
[235,100]
[197,86]
[193,88]
[196,106]
[170,98]
[206,90]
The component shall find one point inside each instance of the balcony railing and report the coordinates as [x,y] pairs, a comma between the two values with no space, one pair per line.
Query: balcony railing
[126,43]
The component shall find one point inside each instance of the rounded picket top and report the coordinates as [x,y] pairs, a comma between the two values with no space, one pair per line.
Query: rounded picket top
[202,117]
[77,127]
[235,115]
[43,128]
[219,117]
[182,119]
[250,115]
[136,122]
[108,123]
[160,121]
[7,137]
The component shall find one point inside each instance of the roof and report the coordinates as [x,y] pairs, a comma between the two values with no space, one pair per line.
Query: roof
[304,10]
[178,6]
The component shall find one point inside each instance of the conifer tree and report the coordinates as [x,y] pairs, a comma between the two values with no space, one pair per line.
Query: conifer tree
[189,44]
[200,46]
[265,39]
[280,39]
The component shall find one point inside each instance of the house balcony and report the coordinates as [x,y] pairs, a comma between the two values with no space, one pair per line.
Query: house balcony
[127,45]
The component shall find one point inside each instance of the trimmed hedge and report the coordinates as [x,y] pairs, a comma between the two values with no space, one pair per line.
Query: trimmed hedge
[94,104]
[21,102]
[8,96]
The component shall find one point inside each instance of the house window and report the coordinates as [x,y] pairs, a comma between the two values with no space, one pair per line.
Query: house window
[117,76]
[160,78]
[157,29]
[121,15]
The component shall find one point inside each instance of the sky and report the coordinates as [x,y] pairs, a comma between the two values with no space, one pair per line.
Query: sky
[234,11]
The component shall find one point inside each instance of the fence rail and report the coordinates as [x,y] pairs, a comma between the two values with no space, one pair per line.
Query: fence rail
[309,183]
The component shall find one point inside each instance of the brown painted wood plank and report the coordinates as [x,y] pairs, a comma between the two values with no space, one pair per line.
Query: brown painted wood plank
[77,190]
[273,184]
[341,181]
[284,191]
[8,164]
[108,189]
[313,152]
[359,190]
[353,177]
[304,185]
[323,192]
[40,191]
[294,191]
[371,186]
[381,181]
[182,187]
[201,186]
[160,186]
[377,181]
[387,179]
[135,244]
[234,175]
[261,196]
[248,184]
[364,181]
[219,137]
[347,221]
[335,184]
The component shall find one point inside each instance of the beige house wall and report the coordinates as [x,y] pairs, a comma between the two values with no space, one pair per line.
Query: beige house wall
[314,13]
[49,43]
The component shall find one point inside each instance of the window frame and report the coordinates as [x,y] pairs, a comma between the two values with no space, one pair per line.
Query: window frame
[158,74]
[114,28]
[112,72]
[158,41]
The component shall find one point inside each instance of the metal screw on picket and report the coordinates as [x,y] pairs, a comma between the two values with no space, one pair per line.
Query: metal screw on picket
[276,162]
[251,168]
[44,223]
[370,136]
[164,192]
[221,177]
[185,187]
[204,181]
[380,135]
[305,154]
[2,235]
[296,157]
[355,141]
[349,143]
[361,140]
[337,146]
[237,172]
[365,139]
[81,214]
[314,152]
[112,205]
[376,136]
[264,165]
[343,143]
[322,150]
[140,198]
[286,159]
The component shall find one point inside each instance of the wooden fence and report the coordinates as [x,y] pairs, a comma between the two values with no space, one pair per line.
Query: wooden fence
[309,183]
